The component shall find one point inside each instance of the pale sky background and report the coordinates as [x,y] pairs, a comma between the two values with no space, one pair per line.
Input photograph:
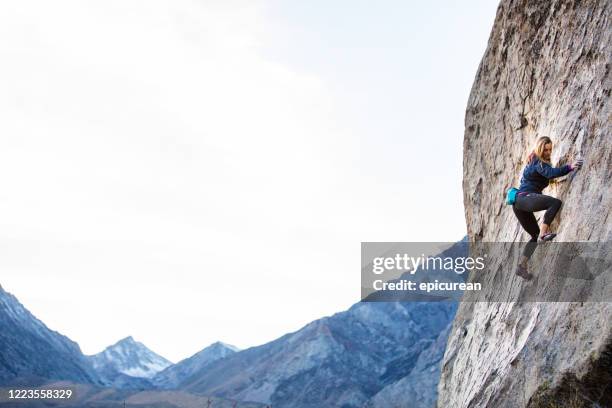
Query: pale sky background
[192,171]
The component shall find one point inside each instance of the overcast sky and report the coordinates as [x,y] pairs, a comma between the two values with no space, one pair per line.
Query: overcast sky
[192,171]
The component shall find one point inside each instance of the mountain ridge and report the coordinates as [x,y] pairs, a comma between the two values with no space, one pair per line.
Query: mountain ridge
[173,375]
[32,352]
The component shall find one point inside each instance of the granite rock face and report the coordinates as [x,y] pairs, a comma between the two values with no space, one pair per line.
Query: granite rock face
[546,71]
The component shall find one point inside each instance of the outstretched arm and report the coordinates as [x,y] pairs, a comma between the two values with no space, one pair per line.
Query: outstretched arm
[550,172]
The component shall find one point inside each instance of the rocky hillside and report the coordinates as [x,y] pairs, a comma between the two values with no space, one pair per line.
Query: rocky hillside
[31,353]
[546,71]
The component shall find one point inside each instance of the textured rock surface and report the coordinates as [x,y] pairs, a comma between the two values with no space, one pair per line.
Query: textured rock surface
[546,71]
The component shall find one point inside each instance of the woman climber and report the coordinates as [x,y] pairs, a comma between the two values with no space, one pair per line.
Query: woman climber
[529,198]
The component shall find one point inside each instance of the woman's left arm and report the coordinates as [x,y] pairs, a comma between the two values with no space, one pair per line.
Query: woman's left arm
[550,172]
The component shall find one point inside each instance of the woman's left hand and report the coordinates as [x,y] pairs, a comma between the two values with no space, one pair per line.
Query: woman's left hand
[577,165]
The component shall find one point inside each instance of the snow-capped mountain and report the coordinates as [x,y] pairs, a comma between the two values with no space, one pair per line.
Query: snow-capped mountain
[31,353]
[175,374]
[128,358]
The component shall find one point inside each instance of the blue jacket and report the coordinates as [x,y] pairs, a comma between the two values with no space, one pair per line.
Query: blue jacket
[537,173]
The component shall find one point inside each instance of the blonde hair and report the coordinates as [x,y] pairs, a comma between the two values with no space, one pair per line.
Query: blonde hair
[538,149]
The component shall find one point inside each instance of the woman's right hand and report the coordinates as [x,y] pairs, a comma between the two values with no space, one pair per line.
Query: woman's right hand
[577,165]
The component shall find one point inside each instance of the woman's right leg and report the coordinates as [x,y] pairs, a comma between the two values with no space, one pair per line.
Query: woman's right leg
[530,224]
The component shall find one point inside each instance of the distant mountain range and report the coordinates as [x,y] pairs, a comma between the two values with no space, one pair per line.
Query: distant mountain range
[375,354]
[342,360]
[337,361]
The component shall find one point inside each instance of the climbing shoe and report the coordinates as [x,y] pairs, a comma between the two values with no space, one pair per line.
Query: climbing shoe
[523,273]
[548,237]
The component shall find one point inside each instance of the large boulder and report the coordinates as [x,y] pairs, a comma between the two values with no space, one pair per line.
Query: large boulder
[546,71]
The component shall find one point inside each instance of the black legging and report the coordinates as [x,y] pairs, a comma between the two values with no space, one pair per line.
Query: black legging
[524,207]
